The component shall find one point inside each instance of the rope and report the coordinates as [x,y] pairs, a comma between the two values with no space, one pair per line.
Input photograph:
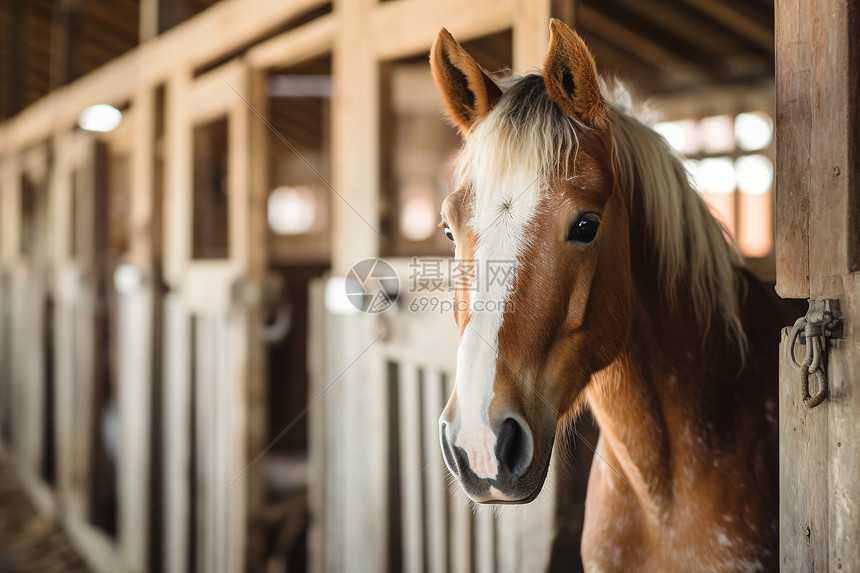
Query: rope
[813,333]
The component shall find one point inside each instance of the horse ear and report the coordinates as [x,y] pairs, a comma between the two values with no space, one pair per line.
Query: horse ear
[570,76]
[468,91]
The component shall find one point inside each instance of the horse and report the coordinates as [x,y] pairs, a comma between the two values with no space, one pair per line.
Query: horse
[626,295]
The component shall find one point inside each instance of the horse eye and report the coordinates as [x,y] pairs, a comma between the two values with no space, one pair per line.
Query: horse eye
[584,230]
[448,233]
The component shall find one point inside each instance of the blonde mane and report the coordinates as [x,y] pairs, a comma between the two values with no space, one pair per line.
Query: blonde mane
[527,136]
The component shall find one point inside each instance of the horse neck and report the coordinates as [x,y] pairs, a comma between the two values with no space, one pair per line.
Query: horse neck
[660,401]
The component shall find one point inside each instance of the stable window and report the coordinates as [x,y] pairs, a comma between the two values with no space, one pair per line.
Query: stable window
[730,160]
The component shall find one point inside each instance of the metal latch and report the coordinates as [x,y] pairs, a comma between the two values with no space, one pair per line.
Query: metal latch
[822,323]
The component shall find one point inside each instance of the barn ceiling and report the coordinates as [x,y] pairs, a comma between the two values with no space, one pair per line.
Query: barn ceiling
[673,45]
[663,45]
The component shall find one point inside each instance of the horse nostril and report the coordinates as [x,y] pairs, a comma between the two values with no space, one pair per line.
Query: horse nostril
[513,447]
[449,453]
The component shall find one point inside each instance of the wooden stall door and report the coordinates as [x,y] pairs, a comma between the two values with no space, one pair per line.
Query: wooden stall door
[30,389]
[818,256]
[213,261]
[81,331]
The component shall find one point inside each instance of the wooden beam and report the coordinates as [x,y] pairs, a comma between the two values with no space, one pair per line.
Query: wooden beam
[396,32]
[685,22]
[612,59]
[736,20]
[645,48]
[299,45]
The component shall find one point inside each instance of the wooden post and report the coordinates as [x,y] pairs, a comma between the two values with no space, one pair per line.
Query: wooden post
[134,343]
[362,446]
[531,30]
[149,20]
[817,185]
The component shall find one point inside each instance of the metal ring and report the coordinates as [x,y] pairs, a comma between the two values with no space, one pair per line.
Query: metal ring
[798,327]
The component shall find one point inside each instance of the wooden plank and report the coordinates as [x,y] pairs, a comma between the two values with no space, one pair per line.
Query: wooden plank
[239,153]
[830,132]
[295,46]
[214,94]
[236,335]
[250,353]
[434,474]
[643,47]
[461,518]
[205,386]
[834,138]
[9,196]
[134,376]
[843,426]
[397,33]
[178,160]
[143,181]
[176,392]
[508,545]
[485,540]
[802,491]
[671,15]
[411,468]
[537,525]
[317,462]
[737,20]
[461,533]
[793,147]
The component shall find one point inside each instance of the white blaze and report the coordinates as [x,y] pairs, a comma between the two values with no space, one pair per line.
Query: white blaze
[505,203]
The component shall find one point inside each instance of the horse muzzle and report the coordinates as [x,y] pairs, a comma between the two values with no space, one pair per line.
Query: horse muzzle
[494,464]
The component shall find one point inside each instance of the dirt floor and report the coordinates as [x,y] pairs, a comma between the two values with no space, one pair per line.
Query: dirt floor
[28,541]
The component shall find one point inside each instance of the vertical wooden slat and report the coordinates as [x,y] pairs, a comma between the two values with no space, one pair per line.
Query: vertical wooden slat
[833,191]
[485,540]
[829,167]
[411,466]
[235,413]
[461,520]
[223,433]
[508,540]
[205,387]
[436,496]
[134,314]
[317,462]
[793,134]
[537,528]
[177,356]
[337,430]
